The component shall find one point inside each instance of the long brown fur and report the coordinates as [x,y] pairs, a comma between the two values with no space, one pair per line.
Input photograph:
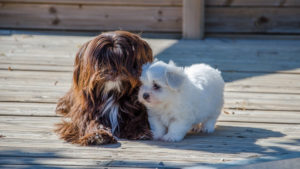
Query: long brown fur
[109,56]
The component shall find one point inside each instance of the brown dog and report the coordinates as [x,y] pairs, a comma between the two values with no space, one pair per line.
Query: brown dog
[102,102]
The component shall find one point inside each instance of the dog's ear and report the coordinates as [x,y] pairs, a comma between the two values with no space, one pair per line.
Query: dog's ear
[146,66]
[174,79]
[78,64]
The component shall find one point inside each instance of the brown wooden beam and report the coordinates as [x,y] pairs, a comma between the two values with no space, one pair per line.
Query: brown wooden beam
[193,19]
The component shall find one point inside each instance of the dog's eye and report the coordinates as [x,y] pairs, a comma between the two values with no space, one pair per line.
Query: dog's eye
[156,86]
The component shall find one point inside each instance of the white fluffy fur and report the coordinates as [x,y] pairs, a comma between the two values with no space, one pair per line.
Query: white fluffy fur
[186,97]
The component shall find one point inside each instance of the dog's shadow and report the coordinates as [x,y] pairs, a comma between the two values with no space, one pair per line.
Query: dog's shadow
[229,140]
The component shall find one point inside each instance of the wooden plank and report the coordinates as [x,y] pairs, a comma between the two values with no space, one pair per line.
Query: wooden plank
[224,129]
[65,17]
[35,139]
[226,54]
[227,144]
[236,81]
[45,109]
[38,140]
[127,152]
[56,166]
[258,116]
[262,101]
[232,3]
[27,109]
[152,18]
[224,66]
[254,3]
[193,19]
[233,100]
[103,2]
[287,63]
[229,63]
[48,162]
[246,86]
[46,124]
[120,163]
[252,20]
[22,67]
[228,134]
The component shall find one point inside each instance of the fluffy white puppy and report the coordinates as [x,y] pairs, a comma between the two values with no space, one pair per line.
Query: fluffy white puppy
[179,99]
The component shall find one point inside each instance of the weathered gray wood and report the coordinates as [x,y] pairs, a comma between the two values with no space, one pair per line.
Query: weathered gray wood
[234,115]
[233,100]
[225,54]
[261,76]
[65,17]
[154,18]
[236,81]
[45,109]
[27,109]
[193,19]
[254,3]
[232,3]
[103,2]
[252,20]
[32,145]
[58,166]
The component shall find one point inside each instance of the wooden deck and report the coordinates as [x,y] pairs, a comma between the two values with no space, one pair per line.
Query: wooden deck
[261,118]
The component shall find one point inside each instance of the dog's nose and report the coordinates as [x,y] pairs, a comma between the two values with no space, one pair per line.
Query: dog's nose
[146,96]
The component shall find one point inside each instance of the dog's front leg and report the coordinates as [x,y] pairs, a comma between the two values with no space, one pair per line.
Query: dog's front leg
[176,131]
[157,128]
[97,134]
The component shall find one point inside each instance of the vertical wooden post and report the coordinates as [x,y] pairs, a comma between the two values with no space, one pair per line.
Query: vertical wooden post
[193,19]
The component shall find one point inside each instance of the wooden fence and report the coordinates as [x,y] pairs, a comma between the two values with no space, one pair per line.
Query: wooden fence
[221,16]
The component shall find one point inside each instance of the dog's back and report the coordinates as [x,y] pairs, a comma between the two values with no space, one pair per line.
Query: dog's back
[202,75]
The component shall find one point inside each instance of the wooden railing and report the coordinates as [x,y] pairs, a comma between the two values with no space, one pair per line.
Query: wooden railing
[191,18]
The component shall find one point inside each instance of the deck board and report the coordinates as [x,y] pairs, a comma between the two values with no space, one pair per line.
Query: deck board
[261,116]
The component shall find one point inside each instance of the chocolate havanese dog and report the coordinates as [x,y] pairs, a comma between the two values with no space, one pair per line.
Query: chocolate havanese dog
[102,103]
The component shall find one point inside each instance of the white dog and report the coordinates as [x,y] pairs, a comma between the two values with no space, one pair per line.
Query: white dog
[179,99]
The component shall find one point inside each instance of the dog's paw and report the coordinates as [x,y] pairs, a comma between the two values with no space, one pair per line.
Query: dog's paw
[196,128]
[171,138]
[146,135]
[208,128]
[97,138]
[157,135]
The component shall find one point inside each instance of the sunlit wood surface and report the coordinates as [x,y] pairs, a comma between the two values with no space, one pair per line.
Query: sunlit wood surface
[261,116]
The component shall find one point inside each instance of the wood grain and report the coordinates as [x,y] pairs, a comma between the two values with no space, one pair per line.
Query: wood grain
[86,17]
[272,16]
[193,19]
[261,116]
[252,20]
[226,3]
[254,3]
[103,2]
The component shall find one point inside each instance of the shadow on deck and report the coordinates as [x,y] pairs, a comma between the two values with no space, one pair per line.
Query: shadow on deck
[225,140]
[244,58]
